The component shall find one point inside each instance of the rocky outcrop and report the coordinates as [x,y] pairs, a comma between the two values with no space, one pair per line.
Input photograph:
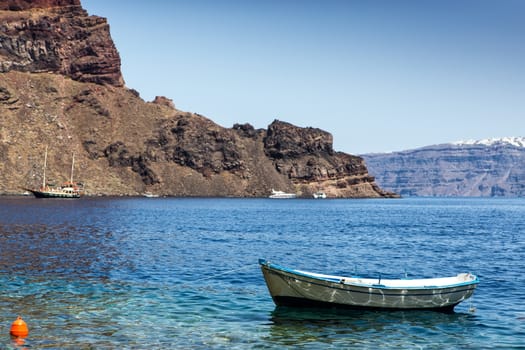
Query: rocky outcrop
[60,37]
[306,156]
[479,169]
[164,101]
[22,5]
[61,87]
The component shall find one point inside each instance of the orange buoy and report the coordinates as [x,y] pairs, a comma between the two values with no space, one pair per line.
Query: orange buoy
[19,328]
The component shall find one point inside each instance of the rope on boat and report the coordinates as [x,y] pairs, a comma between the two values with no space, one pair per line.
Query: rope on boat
[472,308]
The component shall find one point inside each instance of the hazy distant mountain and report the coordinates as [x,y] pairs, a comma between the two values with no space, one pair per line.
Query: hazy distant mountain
[483,168]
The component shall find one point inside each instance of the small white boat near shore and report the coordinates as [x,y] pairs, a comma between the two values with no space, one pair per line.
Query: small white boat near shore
[282,195]
[289,287]
[150,195]
[319,195]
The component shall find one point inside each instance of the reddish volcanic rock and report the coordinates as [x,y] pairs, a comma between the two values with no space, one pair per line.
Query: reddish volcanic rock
[285,140]
[57,36]
[306,156]
[20,5]
[164,101]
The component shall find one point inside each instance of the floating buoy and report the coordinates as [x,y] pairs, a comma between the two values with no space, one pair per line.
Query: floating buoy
[19,328]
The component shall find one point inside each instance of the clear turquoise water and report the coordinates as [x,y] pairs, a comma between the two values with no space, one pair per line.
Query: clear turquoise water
[138,273]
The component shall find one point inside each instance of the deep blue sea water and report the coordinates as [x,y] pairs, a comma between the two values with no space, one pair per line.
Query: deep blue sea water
[166,273]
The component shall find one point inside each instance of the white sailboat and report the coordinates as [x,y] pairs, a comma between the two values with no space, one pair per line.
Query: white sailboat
[66,190]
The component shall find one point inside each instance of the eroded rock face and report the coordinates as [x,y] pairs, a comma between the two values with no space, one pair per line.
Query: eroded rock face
[21,5]
[196,142]
[57,36]
[285,141]
[307,153]
[164,101]
[307,158]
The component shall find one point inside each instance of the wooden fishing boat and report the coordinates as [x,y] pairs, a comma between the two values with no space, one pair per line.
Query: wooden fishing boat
[289,287]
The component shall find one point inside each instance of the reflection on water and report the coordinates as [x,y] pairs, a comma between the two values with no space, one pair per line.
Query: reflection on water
[66,250]
[405,329]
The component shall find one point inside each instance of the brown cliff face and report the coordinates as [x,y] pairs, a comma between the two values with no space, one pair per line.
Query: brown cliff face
[307,158]
[59,37]
[125,146]
[21,5]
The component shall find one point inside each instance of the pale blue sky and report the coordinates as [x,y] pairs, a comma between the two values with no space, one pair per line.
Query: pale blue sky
[380,75]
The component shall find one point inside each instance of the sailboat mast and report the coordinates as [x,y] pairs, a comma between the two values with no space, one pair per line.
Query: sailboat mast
[72,167]
[45,164]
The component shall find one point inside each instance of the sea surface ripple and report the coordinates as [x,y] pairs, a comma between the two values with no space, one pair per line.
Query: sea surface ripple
[165,273]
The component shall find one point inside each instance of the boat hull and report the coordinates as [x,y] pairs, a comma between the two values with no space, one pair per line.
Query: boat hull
[54,194]
[282,195]
[288,288]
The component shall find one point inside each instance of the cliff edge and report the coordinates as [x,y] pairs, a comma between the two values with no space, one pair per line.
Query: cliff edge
[57,36]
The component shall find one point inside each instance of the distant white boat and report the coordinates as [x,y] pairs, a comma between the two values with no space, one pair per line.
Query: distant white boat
[319,195]
[150,195]
[290,287]
[282,195]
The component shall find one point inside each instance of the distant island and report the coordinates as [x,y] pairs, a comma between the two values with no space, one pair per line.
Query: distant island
[61,87]
[483,168]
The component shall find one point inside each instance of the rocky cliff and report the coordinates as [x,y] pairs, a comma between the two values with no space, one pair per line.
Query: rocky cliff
[57,36]
[61,87]
[486,168]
